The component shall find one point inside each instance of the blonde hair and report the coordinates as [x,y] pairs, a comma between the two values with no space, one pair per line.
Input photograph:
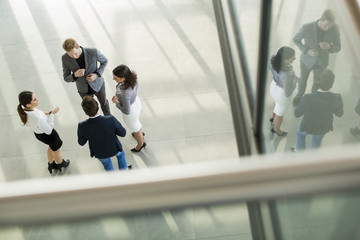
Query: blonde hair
[69,44]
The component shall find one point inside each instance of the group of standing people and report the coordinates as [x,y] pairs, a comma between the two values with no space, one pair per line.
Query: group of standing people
[316,40]
[85,67]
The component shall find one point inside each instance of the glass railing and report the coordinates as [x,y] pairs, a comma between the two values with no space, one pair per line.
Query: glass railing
[318,216]
[246,62]
[303,195]
[313,195]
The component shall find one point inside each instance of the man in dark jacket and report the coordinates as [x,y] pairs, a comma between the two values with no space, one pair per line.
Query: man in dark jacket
[318,109]
[316,40]
[101,132]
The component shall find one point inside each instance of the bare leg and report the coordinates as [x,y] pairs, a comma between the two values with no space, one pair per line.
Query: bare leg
[57,156]
[139,138]
[50,155]
[277,123]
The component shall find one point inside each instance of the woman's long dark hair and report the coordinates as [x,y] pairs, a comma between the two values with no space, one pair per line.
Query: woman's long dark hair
[123,71]
[25,97]
[283,54]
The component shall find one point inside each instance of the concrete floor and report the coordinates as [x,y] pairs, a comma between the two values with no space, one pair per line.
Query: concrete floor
[172,45]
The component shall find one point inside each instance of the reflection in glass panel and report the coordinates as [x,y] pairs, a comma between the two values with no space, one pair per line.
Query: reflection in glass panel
[320,217]
[323,217]
[215,222]
[248,23]
[300,121]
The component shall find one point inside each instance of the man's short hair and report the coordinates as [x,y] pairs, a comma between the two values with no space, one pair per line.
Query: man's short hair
[69,44]
[90,106]
[328,14]
[326,80]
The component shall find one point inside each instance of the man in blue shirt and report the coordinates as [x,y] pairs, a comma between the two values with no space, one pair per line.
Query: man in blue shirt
[101,132]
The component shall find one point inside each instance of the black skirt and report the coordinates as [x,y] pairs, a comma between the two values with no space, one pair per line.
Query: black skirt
[53,140]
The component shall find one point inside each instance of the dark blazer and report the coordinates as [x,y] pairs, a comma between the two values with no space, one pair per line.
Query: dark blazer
[318,109]
[306,38]
[92,56]
[101,133]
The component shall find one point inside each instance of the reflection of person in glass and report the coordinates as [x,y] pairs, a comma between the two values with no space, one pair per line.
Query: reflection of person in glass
[318,109]
[282,86]
[356,130]
[42,123]
[316,40]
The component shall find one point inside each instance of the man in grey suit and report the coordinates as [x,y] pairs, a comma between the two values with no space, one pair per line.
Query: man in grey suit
[316,40]
[80,66]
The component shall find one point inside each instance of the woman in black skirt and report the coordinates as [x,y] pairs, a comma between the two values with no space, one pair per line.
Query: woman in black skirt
[42,123]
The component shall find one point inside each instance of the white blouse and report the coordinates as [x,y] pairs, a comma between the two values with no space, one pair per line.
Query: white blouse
[39,122]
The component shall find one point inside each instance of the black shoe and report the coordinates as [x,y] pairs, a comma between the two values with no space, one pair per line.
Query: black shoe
[271,120]
[142,133]
[130,167]
[52,166]
[354,131]
[292,149]
[279,134]
[296,100]
[134,150]
[63,164]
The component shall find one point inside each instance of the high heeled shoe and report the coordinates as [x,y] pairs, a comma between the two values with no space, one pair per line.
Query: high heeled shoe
[63,164]
[52,166]
[279,134]
[134,135]
[134,150]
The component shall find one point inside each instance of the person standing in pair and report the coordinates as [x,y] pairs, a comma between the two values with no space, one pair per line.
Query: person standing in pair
[127,100]
[80,65]
[316,40]
[317,110]
[42,123]
[282,86]
[101,132]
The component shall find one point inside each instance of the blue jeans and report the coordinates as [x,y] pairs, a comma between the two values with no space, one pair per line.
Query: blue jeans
[300,140]
[106,162]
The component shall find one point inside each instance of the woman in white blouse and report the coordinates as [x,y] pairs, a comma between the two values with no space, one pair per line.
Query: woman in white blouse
[42,123]
[129,103]
[282,86]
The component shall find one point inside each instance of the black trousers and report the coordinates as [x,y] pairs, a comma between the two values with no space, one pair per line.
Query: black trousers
[304,75]
[101,96]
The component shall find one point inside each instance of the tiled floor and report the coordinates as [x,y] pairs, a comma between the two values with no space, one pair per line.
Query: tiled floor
[174,48]
[186,113]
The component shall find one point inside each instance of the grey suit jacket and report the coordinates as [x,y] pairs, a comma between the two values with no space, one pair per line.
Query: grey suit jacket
[92,56]
[306,38]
